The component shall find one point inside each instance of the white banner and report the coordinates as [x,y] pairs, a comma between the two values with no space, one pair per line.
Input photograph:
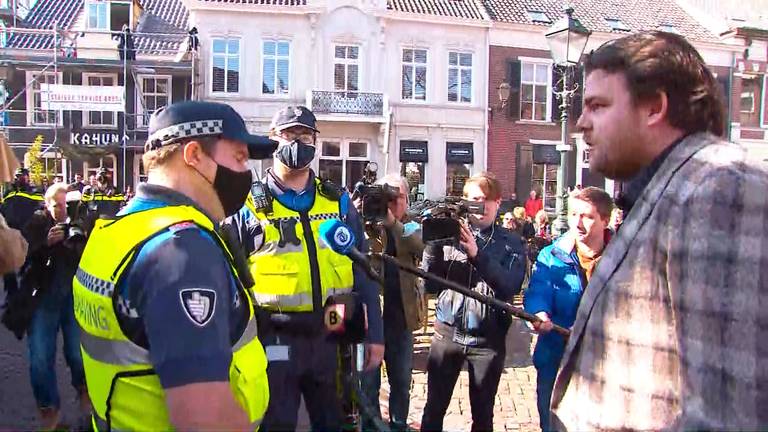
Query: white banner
[56,97]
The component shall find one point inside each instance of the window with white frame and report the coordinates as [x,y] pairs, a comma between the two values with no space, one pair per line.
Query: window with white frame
[109,162]
[36,115]
[139,174]
[3,36]
[275,67]
[414,74]
[225,73]
[544,180]
[54,166]
[459,77]
[415,174]
[750,100]
[535,88]
[98,14]
[343,162]
[100,118]
[153,93]
[346,68]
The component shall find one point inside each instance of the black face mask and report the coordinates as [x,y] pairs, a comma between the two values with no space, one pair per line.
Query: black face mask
[232,187]
[296,154]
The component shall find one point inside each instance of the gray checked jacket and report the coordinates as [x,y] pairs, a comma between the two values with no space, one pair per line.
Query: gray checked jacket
[672,331]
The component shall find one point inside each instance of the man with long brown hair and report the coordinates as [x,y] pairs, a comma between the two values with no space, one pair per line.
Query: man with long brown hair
[670,331]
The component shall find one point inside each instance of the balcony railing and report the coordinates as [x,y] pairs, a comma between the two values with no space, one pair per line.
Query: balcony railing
[345,102]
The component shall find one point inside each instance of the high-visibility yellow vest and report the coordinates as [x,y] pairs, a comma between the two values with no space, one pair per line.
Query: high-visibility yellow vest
[124,389]
[99,196]
[21,194]
[293,258]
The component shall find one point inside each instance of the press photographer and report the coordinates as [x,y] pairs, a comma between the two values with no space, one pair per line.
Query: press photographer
[404,303]
[490,260]
[55,247]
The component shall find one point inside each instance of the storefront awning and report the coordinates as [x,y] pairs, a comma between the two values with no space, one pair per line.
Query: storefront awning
[414,151]
[460,153]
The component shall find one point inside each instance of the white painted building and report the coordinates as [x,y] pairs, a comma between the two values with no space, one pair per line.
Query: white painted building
[400,85]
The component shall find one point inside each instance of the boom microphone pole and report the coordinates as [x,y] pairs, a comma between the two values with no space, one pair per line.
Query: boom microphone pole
[514,311]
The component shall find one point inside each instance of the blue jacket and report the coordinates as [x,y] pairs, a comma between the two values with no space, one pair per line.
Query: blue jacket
[556,286]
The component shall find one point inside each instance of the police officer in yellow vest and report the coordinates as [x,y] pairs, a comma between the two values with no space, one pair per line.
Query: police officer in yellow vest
[17,207]
[295,274]
[101,200]
[168,330]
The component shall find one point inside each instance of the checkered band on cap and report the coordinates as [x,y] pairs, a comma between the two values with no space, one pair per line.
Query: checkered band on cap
[176,132]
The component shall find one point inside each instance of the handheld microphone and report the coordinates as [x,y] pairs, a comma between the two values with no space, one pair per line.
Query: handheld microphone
[337,236]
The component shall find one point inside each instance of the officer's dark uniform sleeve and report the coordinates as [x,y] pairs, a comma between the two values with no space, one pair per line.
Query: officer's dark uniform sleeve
[364,286]
[185,302]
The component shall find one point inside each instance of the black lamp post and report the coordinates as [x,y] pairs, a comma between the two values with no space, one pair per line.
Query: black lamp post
[567,39]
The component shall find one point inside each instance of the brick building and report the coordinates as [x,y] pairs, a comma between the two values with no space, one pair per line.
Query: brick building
[524,130]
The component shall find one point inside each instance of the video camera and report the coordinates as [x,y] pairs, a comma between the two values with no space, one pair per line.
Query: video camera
[441,221]
[73,232]
[375,198]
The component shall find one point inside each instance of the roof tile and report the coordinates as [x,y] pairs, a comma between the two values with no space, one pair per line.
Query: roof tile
[638,15]
[165,17]
[468,9]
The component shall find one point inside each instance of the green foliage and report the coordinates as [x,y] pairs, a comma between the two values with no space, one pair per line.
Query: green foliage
[34,161]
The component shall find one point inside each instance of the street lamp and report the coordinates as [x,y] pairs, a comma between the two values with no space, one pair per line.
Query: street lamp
[567,39]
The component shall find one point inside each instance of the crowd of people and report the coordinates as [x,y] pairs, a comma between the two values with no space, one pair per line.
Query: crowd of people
[213,300]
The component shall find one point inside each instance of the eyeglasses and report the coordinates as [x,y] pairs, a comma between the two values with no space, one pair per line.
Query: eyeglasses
[306,138]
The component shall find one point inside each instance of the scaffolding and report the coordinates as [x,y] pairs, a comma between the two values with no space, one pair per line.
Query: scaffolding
[63,52]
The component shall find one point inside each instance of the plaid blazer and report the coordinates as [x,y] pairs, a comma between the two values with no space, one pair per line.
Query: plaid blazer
[672,331]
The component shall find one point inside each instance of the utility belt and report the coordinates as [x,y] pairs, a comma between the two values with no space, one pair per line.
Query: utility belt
[309,324]
[343,317]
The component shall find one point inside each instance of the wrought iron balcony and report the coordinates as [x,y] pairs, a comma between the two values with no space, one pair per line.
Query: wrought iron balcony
[345,102]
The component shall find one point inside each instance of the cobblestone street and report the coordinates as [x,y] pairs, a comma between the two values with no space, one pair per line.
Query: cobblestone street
[515,407]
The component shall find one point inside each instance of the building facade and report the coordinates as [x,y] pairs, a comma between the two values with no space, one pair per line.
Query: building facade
[81,44]
[389,83]
[525,129]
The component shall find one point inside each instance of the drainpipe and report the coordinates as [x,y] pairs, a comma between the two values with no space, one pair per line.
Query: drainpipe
[387,125]
[729,98]
[486,125]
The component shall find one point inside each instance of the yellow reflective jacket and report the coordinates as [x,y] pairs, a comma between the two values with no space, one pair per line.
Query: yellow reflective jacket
[124,389]
[292,260]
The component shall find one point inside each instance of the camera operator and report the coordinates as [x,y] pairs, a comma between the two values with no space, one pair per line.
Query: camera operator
[55,247]
[404,304]
[491,261]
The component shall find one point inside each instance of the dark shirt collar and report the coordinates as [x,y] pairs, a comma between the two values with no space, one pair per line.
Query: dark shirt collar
[167,196]
[635,187]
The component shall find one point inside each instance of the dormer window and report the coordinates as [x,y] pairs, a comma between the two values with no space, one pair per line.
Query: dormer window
[98,15]
[617,25]
[108,15]
[539,17]
[669,28]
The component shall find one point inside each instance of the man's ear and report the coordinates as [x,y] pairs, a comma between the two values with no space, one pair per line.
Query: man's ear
[657,108]
[192,152]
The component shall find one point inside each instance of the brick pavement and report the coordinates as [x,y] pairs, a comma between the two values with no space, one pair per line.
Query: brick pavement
[515,407]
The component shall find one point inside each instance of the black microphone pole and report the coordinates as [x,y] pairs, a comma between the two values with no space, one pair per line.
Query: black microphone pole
[514,311]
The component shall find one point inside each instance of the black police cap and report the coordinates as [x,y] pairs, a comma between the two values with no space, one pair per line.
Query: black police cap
[294,116]
[21,171]
[199,119]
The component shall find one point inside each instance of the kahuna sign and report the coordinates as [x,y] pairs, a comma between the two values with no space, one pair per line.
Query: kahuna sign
[59,97]
[88,138]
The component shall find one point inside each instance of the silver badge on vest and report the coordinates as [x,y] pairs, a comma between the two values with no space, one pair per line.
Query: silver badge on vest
[199,304]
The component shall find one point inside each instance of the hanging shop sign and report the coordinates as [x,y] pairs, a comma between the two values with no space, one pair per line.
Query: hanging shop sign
[82,98]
